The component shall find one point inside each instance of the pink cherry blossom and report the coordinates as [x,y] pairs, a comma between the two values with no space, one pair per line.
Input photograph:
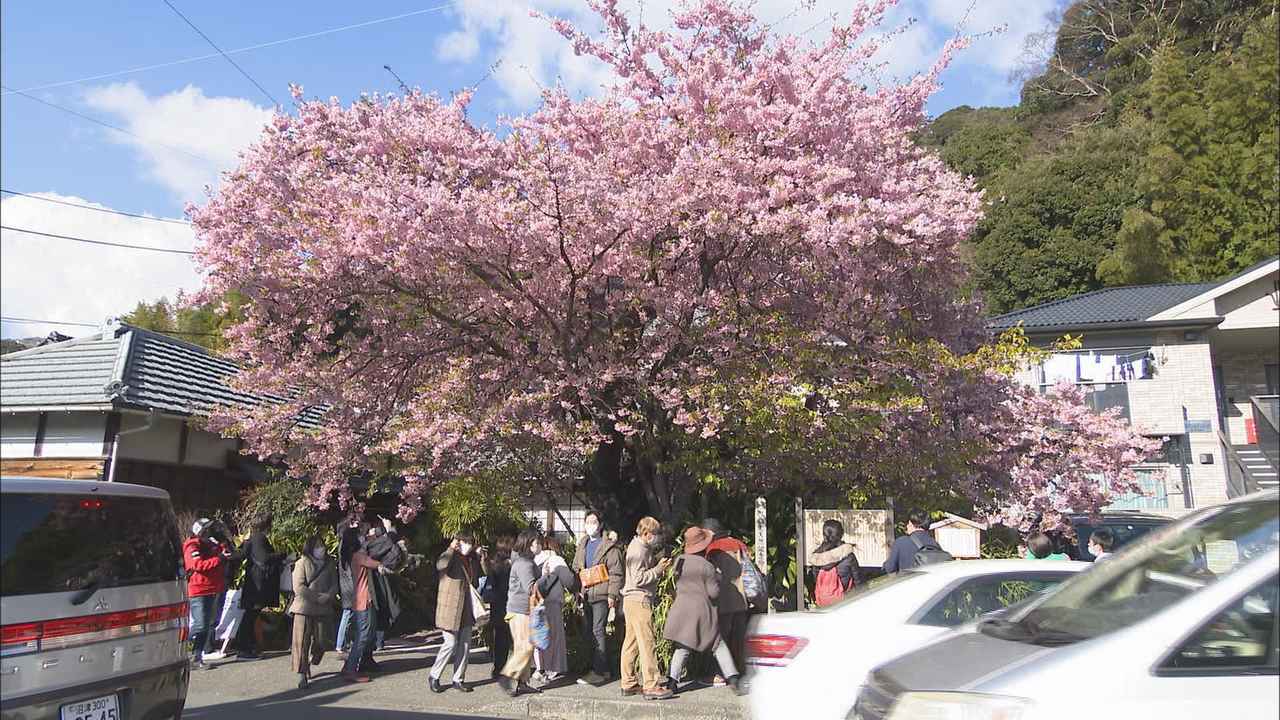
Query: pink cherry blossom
[600,271]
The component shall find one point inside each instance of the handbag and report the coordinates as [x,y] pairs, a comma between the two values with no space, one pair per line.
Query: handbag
[479,609]
[594,575]
[539,627]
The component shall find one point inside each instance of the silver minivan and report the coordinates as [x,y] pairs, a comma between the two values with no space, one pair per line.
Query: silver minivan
[1181,624]
[94,607]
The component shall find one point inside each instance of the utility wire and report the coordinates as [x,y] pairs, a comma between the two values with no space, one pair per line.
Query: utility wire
[237,51]
[6,318]
[214,45]
[95,209]
[98,325]
[98,242]
[105,124]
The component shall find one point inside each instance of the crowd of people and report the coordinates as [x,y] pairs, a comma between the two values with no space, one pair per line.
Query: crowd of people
[519,589]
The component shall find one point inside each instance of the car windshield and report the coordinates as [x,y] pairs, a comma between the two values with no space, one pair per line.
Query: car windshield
[872,587]
[1161,569]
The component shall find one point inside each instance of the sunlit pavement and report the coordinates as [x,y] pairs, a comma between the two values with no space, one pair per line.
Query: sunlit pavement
[266,689]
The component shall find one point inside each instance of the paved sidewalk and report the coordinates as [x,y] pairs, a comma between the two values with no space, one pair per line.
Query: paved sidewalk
[266,689]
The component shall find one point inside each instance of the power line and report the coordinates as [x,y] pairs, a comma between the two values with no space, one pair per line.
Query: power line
[214,45]
[6,318]
[98,242]
[248,48]
[163,331]
[105,124]
[95,209]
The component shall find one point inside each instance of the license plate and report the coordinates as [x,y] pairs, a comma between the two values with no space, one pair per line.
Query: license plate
[99,708]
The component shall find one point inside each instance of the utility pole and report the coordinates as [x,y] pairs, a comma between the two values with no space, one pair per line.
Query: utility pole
[800,554]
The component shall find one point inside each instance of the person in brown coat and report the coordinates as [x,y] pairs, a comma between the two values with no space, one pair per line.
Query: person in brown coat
[315,588]
[455,617]
[693,620]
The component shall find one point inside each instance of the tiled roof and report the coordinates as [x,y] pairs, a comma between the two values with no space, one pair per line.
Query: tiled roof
[1109,305]
[76,372]
[124,367]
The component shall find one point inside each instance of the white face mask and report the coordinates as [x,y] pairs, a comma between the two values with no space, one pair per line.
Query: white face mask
[319,553]
[592,529]
[465,548]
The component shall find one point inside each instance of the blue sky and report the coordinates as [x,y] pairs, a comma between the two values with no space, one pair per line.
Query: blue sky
[194,117]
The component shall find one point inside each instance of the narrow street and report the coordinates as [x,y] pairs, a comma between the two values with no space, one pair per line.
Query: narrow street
[266,689]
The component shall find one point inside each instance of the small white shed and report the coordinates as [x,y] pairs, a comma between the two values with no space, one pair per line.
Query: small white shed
[959,536]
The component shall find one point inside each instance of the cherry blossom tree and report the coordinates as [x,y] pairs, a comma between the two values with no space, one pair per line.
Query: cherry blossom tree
[612,290]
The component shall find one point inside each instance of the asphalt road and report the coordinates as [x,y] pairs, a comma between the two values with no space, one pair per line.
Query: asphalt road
[266,689]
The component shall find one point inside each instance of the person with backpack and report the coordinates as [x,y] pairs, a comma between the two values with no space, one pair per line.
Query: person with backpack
[693,621]
[741,589]
[917,547]
[261,587]
[205,561]
[838,569]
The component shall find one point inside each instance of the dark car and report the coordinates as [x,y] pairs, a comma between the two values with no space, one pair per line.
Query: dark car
[1125,527]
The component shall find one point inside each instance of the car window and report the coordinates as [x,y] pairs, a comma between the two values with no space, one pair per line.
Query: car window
[56,542]
[1241,638]
[1123,532]
[1163,568]
[979,596]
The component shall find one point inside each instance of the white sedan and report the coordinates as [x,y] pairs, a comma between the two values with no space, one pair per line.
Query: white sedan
[802,663]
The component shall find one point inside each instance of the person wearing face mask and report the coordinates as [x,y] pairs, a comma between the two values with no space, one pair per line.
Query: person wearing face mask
[315,587]
[596,549]
[524,574]
[639,596]
[1100,543]
[460,567]
[555,581]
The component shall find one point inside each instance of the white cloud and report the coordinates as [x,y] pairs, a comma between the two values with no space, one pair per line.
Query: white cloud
[50,279]
[533,56]
[213,128]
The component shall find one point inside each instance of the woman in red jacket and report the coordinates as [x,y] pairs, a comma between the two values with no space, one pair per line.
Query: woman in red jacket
[204,560]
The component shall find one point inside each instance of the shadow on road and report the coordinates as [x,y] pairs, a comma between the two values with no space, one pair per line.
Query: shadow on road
[298,705]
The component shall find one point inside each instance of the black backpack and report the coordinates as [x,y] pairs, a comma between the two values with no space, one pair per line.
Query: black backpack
[928,554]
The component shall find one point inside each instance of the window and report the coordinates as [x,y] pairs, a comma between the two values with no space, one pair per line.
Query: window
[1153,494]
[1240,640]
[1124,533]
[979,596]
[55,542]
[1101,367]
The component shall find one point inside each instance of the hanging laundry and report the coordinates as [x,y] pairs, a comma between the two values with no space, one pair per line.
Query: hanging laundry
[1059,368]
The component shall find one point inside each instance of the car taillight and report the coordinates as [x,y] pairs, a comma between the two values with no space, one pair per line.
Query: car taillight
[70,632]
[773,650]
[19,639]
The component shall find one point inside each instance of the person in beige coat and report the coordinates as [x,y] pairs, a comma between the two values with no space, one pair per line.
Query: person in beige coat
[455,616]
[315,588]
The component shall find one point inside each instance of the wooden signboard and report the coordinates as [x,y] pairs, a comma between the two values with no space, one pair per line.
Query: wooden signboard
[871,532]
[61,468]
